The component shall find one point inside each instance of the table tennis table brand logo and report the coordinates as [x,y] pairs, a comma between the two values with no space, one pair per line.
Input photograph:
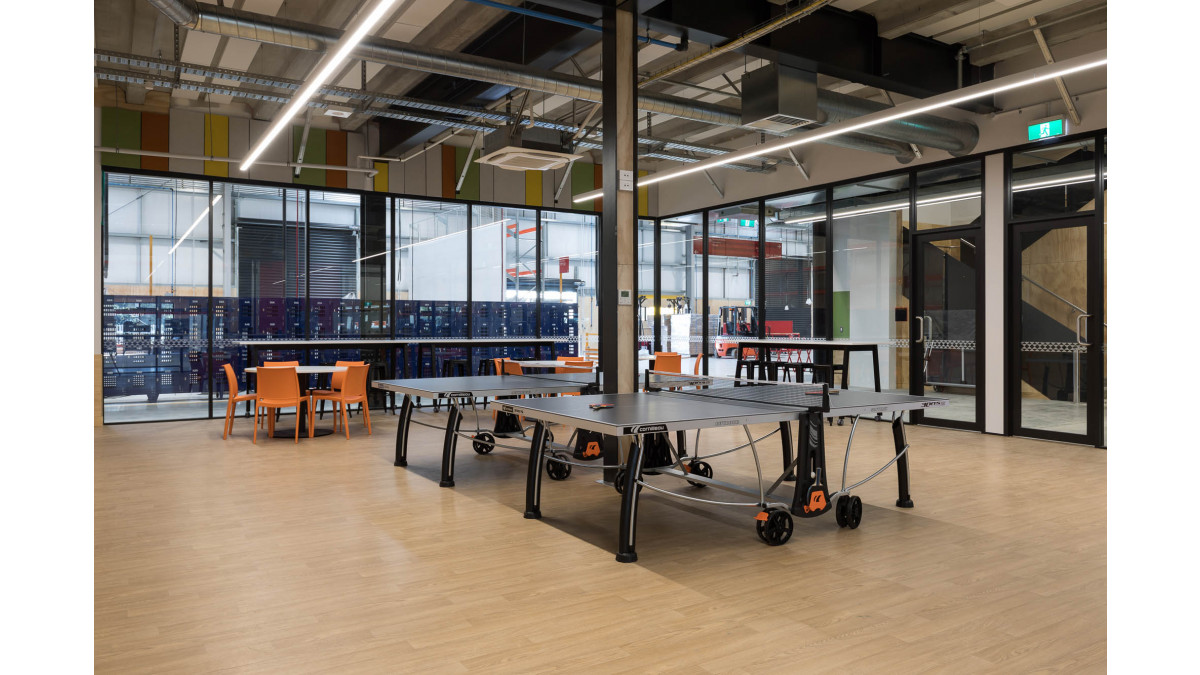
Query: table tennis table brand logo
[729,423]
[646,429]
[455,394]
[508,409]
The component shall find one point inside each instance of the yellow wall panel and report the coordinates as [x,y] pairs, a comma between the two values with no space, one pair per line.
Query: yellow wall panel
[533,188]
[216,144]
[381,178]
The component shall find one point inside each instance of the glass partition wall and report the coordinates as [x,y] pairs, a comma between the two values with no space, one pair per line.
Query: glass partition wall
[192,267]
[681,288]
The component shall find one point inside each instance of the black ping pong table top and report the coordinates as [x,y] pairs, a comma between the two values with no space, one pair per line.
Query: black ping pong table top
[489,385]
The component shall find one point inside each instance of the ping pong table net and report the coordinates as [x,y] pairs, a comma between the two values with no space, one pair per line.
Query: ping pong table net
[796,395]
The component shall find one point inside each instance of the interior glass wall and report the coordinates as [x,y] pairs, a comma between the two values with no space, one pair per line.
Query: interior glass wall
[1054,179]
[681,280]
[796,297]
[570,249]
[870,300]
[732,280]
[645,285]
[155,299]
[430,282]
[950,196]
[504,277]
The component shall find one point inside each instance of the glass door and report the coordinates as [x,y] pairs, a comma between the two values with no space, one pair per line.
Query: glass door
[947,299]
[1056,373]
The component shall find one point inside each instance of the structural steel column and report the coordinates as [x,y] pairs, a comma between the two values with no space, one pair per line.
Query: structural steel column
[618,225]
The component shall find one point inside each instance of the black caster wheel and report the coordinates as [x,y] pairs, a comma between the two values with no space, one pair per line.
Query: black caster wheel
[839,511]
[619,481]
[854,513]
[483,443]
[558,470]
[776,529]
[700,469]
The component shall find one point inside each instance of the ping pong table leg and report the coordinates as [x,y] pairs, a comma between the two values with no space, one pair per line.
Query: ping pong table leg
[406,409]
[785,438]
[629,498]
[681,443]
[904,501]
[533,480]
[450,443]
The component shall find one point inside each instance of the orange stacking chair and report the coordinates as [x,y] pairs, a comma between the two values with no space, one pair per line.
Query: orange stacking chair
[277,388]
[354,390]
[573,364]
[512,367]
[281,364]
[335,382]
[667,362]
[234,399]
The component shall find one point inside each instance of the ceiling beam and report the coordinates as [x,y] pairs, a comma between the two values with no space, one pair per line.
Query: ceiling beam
[902,18]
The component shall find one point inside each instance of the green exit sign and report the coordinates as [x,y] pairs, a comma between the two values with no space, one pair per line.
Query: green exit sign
[1047,129]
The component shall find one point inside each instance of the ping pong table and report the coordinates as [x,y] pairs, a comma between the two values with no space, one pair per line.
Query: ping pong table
[460,393]
[679,403]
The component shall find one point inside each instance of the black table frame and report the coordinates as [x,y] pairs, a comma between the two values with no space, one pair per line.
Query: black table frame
[763,352]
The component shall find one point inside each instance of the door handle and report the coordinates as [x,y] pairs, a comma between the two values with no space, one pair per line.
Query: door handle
[920,331]
[930,318]
[1081,320]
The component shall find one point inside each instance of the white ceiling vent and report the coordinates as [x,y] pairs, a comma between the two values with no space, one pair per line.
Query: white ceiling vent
[517,148]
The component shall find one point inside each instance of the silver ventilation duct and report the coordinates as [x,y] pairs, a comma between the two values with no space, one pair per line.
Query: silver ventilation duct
[956,137]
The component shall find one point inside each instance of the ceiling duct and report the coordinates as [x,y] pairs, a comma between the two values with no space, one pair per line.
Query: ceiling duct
[519,148]
[779,98]
[928,130]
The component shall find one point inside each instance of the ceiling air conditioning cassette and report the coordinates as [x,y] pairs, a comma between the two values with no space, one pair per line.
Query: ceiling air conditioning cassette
[518,148]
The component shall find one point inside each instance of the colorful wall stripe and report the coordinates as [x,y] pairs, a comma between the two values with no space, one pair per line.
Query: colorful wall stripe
[470,186]
[533,188]
[335,154]
[314,153]
[156,136]
[136,130]
[381,178]
[216,144]
[121,128]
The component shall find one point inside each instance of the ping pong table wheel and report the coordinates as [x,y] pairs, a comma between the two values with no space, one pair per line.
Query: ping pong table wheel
[853,512]
[776,528]
[700,469]
[483,443]
[558,470]
[839,510]
[619,481]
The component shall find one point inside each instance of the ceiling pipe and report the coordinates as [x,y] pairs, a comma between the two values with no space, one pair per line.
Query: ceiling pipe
[571,22]
[931,131]
[230,160]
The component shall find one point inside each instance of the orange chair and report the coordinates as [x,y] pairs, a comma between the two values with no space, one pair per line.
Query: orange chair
[234,399]
[277,388]
[512,367]
[281,364]
[335,382]
[354,390]
[667,362]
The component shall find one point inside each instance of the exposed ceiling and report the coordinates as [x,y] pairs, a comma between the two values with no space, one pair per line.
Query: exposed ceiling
[880,53]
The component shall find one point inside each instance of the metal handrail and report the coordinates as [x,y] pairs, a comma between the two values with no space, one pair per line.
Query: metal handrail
[1075,307]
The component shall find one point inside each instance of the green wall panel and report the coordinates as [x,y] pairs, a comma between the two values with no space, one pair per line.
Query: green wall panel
[841,314]
[314,153]
[470,186]
[121,128]
[583,179]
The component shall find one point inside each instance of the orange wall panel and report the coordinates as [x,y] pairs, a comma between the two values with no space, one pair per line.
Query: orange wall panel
[155,136]
[335,154]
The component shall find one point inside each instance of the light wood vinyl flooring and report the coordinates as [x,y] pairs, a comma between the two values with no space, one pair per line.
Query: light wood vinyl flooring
[223,556]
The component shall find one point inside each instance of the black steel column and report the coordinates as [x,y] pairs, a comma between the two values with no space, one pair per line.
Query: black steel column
[703,290]
[657,285]
[760,287]
[211,331]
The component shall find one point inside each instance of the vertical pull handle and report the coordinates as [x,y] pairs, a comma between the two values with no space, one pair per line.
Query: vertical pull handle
[921,330]
[1080,326]
[930,319]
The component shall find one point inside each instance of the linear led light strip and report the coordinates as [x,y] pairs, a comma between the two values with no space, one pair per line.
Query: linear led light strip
[344,46]
[902,111]
[170,253]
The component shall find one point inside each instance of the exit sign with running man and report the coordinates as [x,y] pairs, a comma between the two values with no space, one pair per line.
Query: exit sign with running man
[1047,129]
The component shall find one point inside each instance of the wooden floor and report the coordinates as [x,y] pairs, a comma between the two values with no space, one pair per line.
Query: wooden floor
[320,557]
